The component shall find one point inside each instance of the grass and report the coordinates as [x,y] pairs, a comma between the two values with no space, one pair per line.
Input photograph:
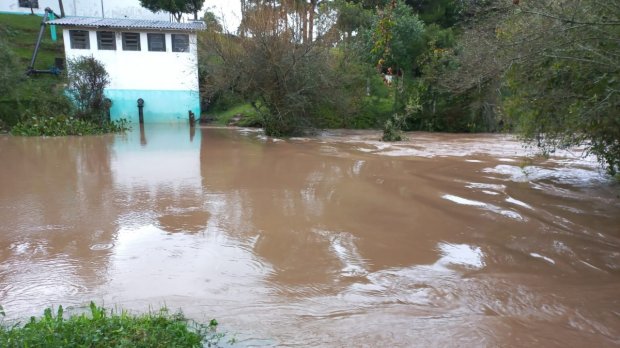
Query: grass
[223,117]
[103,328]
[21,32]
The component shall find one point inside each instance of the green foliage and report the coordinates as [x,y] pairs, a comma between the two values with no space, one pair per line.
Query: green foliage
[293,87]
[63,125]
[565,92]
[395,39]
[212,22]
[176,7]
[352,17]
[103,328]
[442,12]
[87,81]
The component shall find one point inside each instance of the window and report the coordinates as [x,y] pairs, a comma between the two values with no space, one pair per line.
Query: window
[79,39]
[106,40]
[180,43]
[27,3]
[131,41]
[157,42]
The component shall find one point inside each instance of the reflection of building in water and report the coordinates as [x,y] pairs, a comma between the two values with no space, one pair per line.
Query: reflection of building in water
[157,171]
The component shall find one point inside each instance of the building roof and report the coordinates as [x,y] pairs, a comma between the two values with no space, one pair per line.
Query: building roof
[126,23]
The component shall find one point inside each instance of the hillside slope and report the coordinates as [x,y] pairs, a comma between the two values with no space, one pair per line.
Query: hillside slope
[21,31]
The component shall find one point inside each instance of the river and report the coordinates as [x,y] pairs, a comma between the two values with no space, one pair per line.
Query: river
[336,240]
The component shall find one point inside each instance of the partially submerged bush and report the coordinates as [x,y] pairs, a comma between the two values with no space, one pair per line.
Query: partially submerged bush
[63,125]
[391,131]
[393,128]
[103,328]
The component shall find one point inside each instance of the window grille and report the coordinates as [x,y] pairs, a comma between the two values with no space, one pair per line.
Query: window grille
[106,40]
[79,39]
[131,41]
[157,42]
[180,43]
[26,3]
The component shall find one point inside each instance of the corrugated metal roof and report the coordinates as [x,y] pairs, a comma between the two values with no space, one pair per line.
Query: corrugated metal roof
[126,23]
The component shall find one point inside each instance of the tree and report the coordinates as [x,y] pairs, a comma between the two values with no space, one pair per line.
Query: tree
[564,83]
[176,7]
[294,86]
[87,81]
[212,22]
[395,39]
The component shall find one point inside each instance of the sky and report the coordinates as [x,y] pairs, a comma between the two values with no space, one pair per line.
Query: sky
[229,12]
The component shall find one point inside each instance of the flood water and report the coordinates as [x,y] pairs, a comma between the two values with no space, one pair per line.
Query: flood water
[336,240]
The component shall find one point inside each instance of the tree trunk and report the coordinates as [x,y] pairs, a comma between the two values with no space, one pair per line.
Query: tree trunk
[304,22]
[311,20]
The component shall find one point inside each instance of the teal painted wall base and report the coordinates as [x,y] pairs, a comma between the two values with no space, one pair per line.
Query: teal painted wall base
[159,106]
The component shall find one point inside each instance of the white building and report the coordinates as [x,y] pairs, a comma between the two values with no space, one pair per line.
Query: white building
[156,61]
[85,8]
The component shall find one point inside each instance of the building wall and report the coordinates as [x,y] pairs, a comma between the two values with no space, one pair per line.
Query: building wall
[90,8]
[166,81]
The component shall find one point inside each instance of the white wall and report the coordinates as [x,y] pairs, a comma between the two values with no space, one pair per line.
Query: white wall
[143,70]
[90,8]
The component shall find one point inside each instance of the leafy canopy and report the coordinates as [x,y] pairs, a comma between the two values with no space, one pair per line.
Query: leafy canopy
[176,7]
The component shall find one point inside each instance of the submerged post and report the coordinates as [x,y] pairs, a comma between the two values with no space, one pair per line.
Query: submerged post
[192,118]
[140,111]
[107,105]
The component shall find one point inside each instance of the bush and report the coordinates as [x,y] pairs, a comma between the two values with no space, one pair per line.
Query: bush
[392,129]
[63,125]
[87,81]
[108,329]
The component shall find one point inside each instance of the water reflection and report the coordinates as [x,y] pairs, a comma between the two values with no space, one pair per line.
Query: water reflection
[440,241]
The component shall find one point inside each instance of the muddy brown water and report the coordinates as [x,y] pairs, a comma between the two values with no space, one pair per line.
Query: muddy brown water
[335,240]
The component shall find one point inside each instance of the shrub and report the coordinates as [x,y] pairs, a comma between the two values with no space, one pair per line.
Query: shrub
[392,129]
[87,81]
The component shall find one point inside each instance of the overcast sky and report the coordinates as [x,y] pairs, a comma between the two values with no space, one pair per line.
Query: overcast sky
[229,12]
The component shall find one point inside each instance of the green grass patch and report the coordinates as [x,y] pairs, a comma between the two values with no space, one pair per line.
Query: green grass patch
[105,328]
[223,117]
